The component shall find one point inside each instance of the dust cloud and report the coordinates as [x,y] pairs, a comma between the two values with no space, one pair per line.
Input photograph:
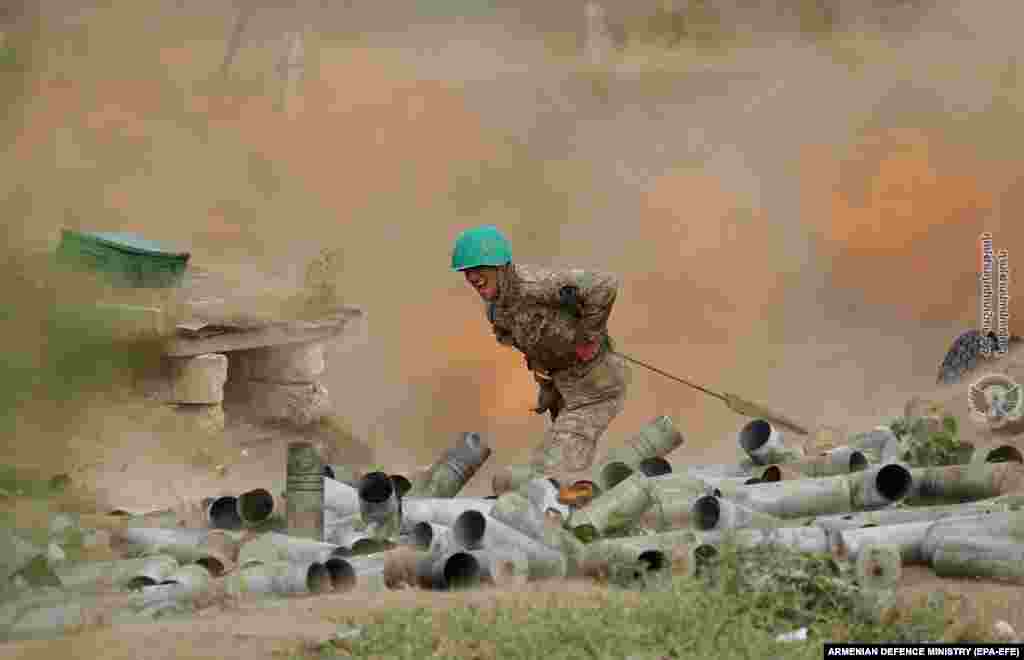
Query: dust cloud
[792,223]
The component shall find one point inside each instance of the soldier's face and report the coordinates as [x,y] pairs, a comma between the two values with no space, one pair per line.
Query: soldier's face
[484,280]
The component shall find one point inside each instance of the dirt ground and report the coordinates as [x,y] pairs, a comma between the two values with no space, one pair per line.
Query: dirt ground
[254,632]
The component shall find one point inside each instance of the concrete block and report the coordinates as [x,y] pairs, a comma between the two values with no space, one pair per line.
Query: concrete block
[199,379]
[300,404]
[224,336]
[290,363]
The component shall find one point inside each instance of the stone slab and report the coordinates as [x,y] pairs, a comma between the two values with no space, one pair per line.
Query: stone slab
[199,337]
[199,379]
[298,404]
[288,364]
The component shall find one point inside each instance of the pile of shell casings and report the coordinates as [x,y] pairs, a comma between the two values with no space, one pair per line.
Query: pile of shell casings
[634,523]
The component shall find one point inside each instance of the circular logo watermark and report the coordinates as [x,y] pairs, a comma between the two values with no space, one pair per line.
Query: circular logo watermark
[995,400]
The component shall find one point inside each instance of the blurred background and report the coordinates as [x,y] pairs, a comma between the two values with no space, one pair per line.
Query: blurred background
[790,191]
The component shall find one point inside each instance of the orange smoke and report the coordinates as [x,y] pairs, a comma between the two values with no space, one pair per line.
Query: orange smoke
[906,185]
[476,366]
[113,105]
[709,256]
[366,131]
[898,218]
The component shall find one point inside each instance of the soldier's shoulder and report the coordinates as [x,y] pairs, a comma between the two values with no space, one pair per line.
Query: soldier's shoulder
[540,278]
[532,274]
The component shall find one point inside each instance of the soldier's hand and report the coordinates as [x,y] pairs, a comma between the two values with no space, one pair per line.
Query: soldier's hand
[548,399]
[586,351]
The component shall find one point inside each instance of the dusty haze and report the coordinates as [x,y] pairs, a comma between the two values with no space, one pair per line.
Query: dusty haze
[792,223]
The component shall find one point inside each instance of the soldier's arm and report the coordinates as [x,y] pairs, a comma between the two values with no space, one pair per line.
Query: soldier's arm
[595,293]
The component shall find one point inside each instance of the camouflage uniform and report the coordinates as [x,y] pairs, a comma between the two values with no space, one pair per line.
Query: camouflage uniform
[532,315]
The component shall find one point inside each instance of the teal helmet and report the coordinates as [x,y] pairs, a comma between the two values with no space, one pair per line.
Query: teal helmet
[481,246]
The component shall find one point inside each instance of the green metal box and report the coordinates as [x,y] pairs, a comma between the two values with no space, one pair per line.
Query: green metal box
[130,260]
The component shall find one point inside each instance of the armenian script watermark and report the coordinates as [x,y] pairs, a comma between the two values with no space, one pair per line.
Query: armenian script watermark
[1003,298]
[994,295]
[985,276]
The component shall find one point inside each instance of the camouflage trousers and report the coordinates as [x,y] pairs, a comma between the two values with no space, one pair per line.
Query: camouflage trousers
[592,401]
[570,443]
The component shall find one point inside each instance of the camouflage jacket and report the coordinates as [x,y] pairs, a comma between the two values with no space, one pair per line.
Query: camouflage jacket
[531,313]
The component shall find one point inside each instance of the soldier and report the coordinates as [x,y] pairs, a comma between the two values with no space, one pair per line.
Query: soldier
[558,320]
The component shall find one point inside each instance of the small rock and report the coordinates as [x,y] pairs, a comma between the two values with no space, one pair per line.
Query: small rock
[795,636]
[348,632]
[55,554]
[1004,632]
